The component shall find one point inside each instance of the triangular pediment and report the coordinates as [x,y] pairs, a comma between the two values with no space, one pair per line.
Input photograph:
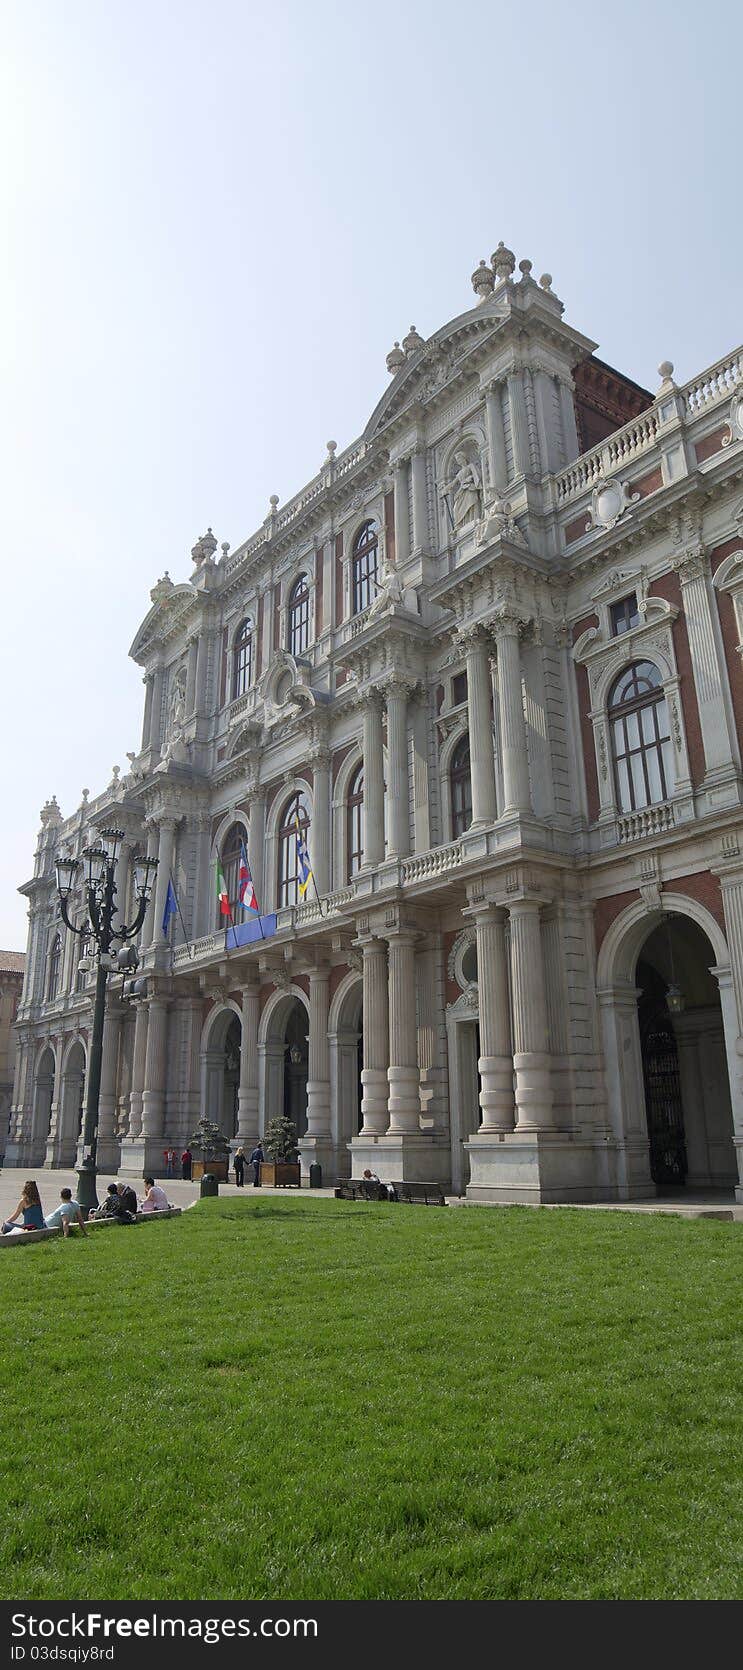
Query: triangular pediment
[171,606]
[439,361]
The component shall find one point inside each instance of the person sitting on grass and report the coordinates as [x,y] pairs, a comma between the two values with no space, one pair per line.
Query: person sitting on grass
[29,1209]
[128,1198]
[155,1199]
[68,1212]
[113,1207]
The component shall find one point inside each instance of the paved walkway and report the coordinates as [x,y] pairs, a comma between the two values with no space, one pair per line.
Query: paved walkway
[184,1194]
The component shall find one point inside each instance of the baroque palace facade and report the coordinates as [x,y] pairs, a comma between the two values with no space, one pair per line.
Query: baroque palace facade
[489,659]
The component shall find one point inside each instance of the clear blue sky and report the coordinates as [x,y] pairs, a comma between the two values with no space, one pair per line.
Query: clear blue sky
[218,219]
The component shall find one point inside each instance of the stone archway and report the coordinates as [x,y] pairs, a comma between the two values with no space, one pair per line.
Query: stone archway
[672,1071]
[43,1104]
[62,1147]
[346,1037]
[220,1068]
[283,1058]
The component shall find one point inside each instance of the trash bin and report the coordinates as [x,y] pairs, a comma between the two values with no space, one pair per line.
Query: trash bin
[315,1176]
[209,1184]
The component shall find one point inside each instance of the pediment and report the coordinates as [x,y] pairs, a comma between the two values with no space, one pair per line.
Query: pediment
[431,368]
[170,608]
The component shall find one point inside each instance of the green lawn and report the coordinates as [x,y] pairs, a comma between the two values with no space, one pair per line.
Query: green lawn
[310,1399]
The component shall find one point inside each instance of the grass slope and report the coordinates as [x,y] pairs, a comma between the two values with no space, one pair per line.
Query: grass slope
[310,1399]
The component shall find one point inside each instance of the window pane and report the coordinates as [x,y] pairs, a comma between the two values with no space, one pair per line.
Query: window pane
[633,730]
[638,780]
[661,714]
[648,724]
[670,775]
[619,744]
[654,778]
[625,801]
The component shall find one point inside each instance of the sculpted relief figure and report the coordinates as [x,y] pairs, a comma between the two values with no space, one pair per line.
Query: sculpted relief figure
[465,490]
[174,745]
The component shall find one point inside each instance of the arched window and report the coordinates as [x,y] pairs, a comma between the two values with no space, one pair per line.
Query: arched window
[460,780]
[230,862]
[365,559]
[640,738]
[55,967]
[299,616]
[296,811]
[242,660]
[355,823]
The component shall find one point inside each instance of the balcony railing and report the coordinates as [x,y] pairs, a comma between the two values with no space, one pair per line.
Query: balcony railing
[653,820]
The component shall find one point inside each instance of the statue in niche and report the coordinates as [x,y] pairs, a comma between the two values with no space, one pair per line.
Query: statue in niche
[175,748]
[465,491]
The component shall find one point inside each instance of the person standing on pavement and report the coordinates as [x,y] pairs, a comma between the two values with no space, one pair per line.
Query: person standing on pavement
[256,1160]
[239,1167]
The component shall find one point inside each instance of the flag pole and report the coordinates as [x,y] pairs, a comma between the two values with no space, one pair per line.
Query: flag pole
[250,873]
[180,916]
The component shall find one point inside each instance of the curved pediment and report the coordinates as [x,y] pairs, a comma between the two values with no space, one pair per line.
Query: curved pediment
[171,604]
[429,368]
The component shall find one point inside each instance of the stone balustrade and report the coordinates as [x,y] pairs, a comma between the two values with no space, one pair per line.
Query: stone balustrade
[653,820]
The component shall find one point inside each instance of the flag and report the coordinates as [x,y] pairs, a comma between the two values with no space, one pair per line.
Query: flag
[245,889]
[222,895]
[304,867]
[171,906]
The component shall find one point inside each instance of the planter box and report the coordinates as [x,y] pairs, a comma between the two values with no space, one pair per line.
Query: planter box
[218,1168]
[281,1174]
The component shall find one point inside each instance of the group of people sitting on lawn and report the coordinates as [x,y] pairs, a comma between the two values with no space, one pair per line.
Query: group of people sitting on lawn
[120,1203]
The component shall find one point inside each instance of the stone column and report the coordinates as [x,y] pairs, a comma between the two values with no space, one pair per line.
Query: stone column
[482,763]
[318,1076]
[374,1081]
[569,425]
[165,862]
[519,424]
[138,1067]
[148,926]
[495,1065]
[402,1073]
[157,702]
[147,716]
[514,756]
[715,718]
[531,1056]
[496,438]
[398,794]
[193,654]
[420,500]
[402,518]
[546,416]
[153,1099]
[202,664]
[373,781]
[247,1099]
[107,1147]
[320,832]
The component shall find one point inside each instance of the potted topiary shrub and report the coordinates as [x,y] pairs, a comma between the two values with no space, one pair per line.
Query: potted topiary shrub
[281,1167]
[210,1149]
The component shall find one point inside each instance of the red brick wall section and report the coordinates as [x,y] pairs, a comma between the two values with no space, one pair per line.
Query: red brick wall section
[264,994]
[648,484]
[338,578]
[338,759]
[669,586]
[711,443]
[576,529]
[319,582]
[705,889]
[606,911]
[389,524]
[730,635]
[586,728]
[340,677]
[337,976]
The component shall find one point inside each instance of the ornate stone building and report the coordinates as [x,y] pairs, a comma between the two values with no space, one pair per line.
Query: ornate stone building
[489,661]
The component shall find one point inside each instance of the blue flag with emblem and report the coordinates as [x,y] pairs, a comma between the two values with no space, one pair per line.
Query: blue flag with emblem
[171,906]
[304,867]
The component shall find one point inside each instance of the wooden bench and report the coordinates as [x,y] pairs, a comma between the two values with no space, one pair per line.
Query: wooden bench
[26,1235]
[356,1188]
[423,1194]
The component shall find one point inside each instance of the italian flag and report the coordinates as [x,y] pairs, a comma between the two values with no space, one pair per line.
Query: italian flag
[224,903]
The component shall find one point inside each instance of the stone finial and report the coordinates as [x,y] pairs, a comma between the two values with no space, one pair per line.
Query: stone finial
[503,261]
[395,359]
[412,342]
[208,544]
[546,282]
[84,796]
[225,548]
[332,447]
[525,270]
[665,372]
[50,813]
[483,282]
[161,589]
[274,503]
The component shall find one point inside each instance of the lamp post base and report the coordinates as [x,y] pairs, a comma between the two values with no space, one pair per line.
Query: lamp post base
[86,1191]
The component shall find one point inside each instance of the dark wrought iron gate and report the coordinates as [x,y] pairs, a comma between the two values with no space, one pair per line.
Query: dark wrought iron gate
[663,1099]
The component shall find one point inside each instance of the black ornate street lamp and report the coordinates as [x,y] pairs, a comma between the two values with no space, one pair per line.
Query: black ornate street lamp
[100,870]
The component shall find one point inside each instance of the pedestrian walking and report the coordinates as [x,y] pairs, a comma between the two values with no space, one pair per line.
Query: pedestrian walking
[186,1163]
[240,1167]
[256,1160]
